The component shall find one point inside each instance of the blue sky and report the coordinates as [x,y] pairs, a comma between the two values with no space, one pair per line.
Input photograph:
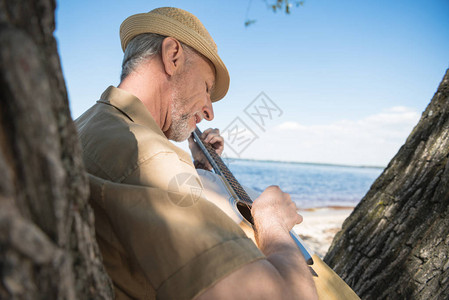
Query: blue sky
[349,79]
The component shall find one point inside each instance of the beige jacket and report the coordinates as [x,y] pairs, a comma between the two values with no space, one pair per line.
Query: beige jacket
[159,236]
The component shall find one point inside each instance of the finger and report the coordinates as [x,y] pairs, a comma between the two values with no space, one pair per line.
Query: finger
[286,199]
[205,133]
[219,147]
[212,133]
[273,188]
[216,141]
[293,208]
[296,206]
[299,219]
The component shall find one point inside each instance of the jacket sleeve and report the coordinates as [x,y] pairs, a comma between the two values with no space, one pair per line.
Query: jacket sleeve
[181,248]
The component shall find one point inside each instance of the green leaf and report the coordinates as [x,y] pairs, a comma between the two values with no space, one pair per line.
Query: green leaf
[249,22]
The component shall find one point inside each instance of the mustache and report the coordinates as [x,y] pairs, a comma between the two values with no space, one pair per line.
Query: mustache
[185,117]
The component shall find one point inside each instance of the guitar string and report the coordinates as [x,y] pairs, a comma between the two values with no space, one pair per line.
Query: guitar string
[229,177]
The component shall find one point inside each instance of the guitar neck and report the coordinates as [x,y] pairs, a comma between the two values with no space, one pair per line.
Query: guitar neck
[221,169]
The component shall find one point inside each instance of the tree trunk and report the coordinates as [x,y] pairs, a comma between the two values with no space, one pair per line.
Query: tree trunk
[47,242]
[395,245]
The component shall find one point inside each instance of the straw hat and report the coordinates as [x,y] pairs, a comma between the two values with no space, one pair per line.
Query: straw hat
[185,27]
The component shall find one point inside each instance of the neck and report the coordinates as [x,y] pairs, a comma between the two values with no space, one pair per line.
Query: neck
[148,86]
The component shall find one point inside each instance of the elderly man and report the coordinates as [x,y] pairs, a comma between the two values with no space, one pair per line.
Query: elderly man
[152,246]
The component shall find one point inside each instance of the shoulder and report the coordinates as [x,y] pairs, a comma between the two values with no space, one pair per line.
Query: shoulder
[113,145]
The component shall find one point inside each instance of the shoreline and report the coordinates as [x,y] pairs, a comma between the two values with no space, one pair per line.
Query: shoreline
[319,226]
[324,164]
[327,207]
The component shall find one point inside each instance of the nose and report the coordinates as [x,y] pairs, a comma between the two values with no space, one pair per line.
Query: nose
[208,111]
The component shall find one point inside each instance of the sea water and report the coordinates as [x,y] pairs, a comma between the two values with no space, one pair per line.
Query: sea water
[310,185]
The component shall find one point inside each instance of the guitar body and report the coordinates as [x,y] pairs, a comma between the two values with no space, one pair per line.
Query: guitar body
[328,284]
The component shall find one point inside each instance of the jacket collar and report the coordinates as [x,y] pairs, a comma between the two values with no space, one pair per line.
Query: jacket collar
[131,106]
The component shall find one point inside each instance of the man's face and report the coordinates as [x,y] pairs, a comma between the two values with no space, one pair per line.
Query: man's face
[190,98]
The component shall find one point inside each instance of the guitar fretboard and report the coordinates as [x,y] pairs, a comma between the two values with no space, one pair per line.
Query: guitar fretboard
[221,168]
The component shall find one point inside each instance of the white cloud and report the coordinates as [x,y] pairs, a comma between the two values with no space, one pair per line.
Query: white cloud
[373,140]
[290,126]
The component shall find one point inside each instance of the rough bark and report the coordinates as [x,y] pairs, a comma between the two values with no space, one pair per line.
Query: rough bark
[395,245]
[47,244]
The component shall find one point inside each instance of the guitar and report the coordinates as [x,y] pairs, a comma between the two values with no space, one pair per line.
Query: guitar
[223,189]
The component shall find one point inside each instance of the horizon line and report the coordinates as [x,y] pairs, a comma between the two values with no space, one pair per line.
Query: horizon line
[306,163]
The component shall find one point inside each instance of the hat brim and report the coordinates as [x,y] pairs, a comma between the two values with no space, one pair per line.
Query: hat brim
[160,24]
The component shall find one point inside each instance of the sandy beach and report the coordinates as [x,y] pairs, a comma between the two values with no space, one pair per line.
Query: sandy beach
[320,226]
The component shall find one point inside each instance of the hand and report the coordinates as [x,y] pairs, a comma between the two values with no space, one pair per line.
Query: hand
[212,137]
[274,211]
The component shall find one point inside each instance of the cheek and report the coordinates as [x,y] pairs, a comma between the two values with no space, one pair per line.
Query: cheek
[197,98]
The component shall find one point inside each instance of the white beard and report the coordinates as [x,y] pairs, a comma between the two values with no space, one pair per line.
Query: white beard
[179,128]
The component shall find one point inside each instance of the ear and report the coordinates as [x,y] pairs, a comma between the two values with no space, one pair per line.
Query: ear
[173,56]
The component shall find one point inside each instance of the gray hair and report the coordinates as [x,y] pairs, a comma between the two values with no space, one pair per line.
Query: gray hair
[141,48]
